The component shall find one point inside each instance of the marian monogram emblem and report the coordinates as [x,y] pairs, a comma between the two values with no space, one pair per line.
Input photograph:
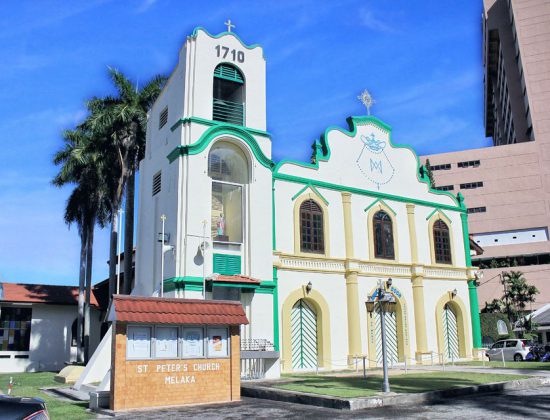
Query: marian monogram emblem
[373,161]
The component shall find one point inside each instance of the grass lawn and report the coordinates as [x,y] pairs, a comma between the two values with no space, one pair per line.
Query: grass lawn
[28,384]
[353,386]
[509,365]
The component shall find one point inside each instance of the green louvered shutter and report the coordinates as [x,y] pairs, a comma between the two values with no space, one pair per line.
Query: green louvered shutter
[391,337]
[224,71]
[303,336]
[227,264]
[450,334]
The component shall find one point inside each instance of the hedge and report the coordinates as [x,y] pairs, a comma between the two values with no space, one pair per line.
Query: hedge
[489,326]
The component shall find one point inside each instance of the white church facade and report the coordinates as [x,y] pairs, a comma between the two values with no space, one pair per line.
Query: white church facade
[302,245]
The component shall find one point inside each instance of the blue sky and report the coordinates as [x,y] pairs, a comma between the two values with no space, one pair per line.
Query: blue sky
[421,61]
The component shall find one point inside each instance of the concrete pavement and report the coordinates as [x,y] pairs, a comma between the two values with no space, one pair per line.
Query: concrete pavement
[529,403]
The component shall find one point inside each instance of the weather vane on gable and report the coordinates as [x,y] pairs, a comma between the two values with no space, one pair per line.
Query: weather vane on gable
[229,25]
[366,99]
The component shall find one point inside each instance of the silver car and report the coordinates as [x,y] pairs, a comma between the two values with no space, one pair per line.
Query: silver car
[515,350]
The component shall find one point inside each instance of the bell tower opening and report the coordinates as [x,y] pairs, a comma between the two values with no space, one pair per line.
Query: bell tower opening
[228,103]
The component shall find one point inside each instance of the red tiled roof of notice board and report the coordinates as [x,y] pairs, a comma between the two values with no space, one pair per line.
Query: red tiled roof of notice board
[178,311]
[41,293]
[221,278]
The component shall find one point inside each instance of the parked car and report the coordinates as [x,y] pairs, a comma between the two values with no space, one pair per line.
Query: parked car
[22,408]
[515,350]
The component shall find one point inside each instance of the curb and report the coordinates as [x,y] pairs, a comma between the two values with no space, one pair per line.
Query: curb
[269,393]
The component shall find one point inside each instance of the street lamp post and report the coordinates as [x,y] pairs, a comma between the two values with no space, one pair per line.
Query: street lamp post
[385,303]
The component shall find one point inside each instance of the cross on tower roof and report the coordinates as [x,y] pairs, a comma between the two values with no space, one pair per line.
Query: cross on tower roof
[229,25]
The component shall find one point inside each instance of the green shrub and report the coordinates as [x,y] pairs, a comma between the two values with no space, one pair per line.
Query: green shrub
[489,326]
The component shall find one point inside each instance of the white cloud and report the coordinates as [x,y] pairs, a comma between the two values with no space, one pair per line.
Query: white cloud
[370,21]
[145,5]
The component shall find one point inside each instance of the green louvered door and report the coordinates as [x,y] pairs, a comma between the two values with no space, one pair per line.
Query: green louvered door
[391,337]
[303,336]
[450,333]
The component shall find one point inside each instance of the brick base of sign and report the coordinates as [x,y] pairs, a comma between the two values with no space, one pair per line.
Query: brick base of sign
[162,383]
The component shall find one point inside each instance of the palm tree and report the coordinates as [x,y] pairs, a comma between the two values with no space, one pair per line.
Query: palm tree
[87,204]
[123,121]
[517,293]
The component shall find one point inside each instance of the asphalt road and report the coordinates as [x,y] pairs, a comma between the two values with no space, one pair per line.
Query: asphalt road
[530,403]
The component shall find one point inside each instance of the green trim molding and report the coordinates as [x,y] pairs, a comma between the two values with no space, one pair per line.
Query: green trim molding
[438,210]
[472,288]
[195,284]
[321,152]
[210,123]
[233,34]
[217,131]
[369,193]
[315,190]
[275,310]
[379,200]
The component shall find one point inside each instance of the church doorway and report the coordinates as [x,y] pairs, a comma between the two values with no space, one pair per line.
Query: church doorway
[392,340]
[303,320]
[450,333]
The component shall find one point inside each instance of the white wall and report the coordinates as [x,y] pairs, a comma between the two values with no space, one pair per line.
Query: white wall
[50,341]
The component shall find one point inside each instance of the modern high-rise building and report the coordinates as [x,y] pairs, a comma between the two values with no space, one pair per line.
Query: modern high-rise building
[507,188]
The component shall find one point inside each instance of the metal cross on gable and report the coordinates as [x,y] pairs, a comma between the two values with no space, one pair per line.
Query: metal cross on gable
[229,25]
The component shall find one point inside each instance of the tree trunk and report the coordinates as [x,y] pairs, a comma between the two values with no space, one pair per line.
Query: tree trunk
[87,312]
[112,253]
[82,274]
[129,233]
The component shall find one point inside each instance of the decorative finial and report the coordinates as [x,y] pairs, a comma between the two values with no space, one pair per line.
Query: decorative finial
[229,25]
[366,99]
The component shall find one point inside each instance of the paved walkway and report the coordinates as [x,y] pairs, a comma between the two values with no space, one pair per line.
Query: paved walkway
[480,369]
[529,403]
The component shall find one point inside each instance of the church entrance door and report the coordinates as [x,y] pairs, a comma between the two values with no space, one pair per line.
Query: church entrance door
[303,336]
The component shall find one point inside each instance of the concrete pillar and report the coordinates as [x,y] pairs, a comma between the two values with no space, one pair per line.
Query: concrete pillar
[352,289]
[419,317]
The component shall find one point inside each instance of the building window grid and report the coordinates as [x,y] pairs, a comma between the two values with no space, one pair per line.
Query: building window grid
[311,228]
[445,188]
[469,163]
[441,167]
[442,243]
[477,210]
[471,185]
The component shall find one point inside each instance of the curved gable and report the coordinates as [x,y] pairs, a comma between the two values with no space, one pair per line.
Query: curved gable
[365,158]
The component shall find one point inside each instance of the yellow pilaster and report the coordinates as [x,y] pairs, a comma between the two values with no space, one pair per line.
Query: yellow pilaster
[418,290]
[352,289]
[419,316]
[412,233]
[354,327]
[348,229]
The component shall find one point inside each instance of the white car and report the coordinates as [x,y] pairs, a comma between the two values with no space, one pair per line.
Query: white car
[515,350]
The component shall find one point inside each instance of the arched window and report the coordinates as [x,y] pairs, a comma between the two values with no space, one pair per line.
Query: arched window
[228,103]
[442,243]
[228,168]
[383,236]
[311,228]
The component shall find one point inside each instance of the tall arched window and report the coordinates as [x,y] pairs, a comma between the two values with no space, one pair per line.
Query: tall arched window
[442,243]
[311,228]
[228,168]
[383,236]
[228,103]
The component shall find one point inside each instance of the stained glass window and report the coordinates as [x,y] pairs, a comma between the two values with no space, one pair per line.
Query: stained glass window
[442,243]
[383,236]
[15,328]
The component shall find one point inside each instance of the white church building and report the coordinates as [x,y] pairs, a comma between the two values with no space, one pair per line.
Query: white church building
[302,245]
